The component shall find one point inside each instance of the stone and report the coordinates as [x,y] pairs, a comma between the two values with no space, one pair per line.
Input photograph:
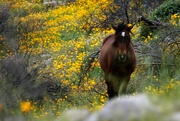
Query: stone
[74,115]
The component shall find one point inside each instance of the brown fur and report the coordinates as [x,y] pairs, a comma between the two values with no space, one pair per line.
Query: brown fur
[117,60]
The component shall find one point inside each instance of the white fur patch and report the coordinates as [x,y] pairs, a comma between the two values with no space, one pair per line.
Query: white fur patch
[123,34]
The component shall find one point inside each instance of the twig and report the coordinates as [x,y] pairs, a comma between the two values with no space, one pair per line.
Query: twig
[151,23]
[86,67]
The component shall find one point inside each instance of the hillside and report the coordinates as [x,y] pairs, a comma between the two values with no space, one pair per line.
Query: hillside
[49,54]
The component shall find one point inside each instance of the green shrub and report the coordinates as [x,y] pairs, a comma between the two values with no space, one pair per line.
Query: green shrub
[164,11]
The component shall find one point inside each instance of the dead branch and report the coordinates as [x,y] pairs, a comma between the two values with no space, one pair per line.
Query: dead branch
[151,23]
[87,64]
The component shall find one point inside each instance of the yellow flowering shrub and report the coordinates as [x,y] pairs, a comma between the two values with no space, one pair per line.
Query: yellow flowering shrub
[175,19]
[164,89]
[62,33]
[25,106]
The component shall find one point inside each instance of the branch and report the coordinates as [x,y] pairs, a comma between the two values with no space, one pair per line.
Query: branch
[154,64]
[151,23]
[126,11]
[85,68]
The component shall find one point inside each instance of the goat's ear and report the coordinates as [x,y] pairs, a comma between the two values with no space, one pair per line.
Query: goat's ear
[114,27]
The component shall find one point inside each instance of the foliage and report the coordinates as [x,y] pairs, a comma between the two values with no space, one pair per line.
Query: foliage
[21,69]
[54,53]
[163,13]
[159,56]
[166,10]
[36,34]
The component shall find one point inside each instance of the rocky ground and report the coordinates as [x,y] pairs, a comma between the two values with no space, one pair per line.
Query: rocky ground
[128,108]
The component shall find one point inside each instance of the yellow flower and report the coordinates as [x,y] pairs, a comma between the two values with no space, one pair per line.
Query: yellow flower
[102,99]
[129,25]
[25,106]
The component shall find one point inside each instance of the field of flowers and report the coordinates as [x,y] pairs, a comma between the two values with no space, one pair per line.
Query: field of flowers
[63,40]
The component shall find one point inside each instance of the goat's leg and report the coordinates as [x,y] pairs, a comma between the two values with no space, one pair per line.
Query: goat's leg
[112,85]
[124,82]
[110,90]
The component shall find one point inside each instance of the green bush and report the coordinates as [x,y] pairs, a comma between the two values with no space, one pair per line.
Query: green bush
[164,11]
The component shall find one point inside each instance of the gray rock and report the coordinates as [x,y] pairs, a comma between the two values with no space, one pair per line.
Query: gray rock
[174,117]
[127,109]
[14,118]
[93,117]
[74,115]
[48,61]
